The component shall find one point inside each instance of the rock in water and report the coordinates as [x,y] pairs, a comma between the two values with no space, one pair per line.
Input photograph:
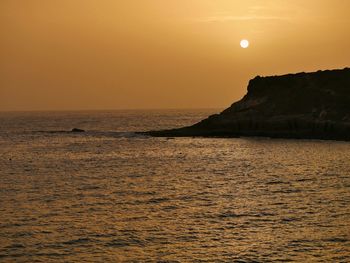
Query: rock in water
[304,105]
[77,130]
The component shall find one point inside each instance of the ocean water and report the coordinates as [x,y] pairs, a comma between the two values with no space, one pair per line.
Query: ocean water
[109,195]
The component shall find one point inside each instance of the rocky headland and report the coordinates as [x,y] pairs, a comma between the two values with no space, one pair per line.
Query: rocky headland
[302,106]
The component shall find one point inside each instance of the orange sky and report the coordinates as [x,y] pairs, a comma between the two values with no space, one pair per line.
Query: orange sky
[138,54]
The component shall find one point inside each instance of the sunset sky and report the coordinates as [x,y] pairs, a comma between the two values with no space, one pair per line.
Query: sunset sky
[140,54]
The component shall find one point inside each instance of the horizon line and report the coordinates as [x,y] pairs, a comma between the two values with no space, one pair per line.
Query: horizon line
[120,109]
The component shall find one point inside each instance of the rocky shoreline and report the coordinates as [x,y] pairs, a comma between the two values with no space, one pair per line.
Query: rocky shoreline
[300,106]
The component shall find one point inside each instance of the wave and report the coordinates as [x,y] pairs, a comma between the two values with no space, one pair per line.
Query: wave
[115,134]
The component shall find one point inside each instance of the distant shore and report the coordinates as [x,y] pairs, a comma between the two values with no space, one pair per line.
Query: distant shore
[295,106]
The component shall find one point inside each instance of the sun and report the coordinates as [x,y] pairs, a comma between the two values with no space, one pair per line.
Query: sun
[244,43]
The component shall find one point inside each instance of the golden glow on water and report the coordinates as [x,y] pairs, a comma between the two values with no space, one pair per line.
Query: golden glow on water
[105,196]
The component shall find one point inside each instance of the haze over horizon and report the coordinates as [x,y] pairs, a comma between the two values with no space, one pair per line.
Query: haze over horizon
[84,55]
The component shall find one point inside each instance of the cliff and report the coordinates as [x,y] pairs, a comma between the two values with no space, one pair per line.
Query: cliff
[303,105]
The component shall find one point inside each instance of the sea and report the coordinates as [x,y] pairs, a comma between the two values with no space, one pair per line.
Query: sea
[112,195]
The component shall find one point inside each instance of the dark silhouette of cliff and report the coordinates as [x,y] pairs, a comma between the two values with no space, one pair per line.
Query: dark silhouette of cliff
[303,105]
